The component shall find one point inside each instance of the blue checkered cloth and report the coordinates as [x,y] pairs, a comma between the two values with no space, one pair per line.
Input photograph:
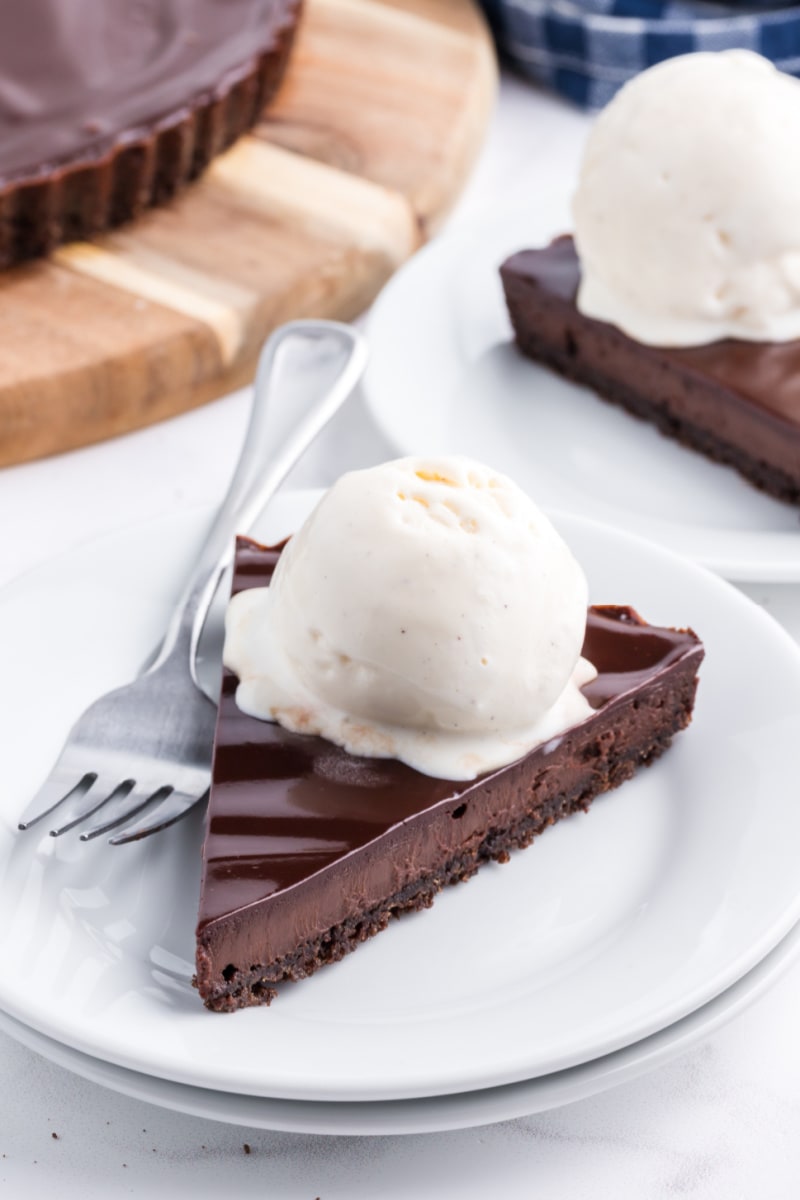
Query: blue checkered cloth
[587,50]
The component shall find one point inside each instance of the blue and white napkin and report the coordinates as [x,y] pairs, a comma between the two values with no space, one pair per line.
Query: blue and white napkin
[586,49]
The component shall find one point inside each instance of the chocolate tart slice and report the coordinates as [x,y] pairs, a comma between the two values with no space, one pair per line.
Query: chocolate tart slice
[309,850]
[736,402]
[109,108]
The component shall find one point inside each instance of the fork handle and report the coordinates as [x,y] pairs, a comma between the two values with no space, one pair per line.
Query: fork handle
[261,468]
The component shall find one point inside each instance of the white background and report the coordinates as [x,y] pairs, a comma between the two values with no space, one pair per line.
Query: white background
[720,1123]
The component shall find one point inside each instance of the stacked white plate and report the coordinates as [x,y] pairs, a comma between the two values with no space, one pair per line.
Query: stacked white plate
[620,938]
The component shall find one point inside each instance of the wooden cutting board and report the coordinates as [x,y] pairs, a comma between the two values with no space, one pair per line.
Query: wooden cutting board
[381,115]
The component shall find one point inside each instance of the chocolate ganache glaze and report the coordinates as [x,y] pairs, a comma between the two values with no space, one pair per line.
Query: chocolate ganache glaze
[309,849]
[108,107]
[735,401]
[75,74]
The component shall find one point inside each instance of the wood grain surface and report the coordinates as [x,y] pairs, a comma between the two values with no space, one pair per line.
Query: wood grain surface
[356,163]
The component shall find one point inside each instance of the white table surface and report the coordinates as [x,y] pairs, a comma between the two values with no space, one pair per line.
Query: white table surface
[719,1123]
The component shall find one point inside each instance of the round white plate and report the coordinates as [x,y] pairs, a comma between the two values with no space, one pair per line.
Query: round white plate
[445,376]
[612,927]
[433,1114]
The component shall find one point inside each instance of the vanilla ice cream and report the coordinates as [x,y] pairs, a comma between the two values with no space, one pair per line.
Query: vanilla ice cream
[426,611]
[687,213]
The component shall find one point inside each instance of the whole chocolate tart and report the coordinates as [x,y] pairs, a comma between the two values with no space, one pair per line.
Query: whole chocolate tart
[109,106]
[736,402]
[309,850]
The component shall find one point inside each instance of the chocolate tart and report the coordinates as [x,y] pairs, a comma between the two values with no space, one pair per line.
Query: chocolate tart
[309,850]
[109,108]
[736,402]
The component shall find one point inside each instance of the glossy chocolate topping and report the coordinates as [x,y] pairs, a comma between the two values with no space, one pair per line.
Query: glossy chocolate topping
[284,806]
[763,376]
[77,74]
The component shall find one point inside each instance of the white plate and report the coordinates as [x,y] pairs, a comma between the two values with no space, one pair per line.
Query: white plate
[612,927]
[433,1114]
[444,376]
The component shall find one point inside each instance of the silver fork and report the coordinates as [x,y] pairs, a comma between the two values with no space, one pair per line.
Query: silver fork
[140,757]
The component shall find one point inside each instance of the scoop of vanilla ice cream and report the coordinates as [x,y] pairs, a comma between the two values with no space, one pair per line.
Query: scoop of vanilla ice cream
[425,611]
[687,212]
